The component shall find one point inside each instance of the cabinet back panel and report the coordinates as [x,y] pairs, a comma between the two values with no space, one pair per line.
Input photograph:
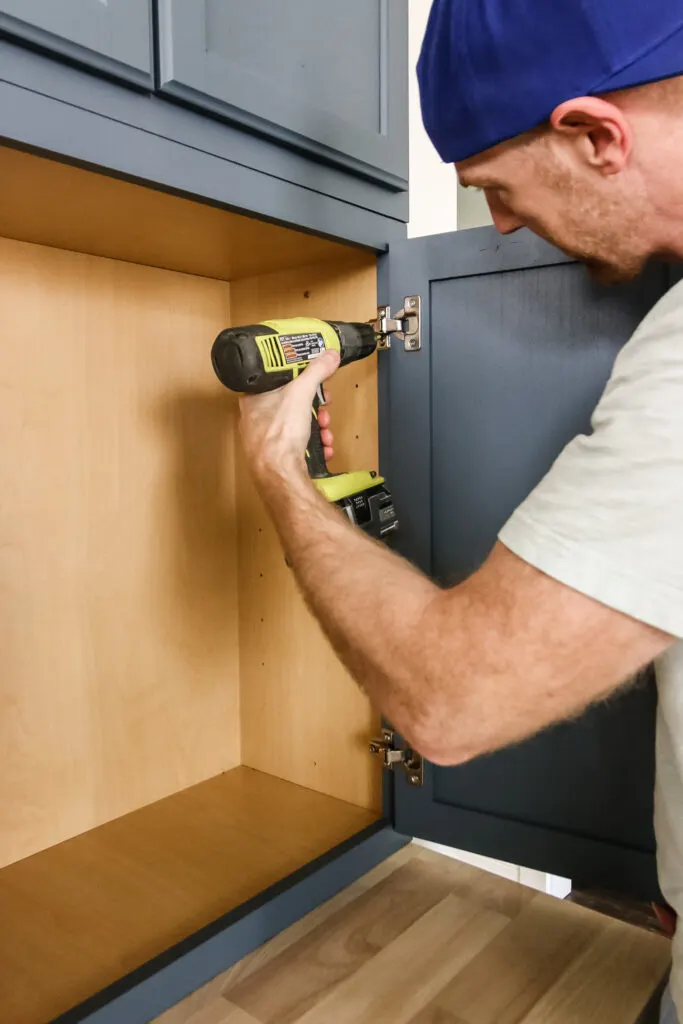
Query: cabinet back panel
[303,718]
[118,543]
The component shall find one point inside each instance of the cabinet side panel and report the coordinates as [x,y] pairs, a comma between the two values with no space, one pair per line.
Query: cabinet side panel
[118,589]
[303,719]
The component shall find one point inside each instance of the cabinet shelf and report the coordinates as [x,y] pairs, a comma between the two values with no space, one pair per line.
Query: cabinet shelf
[78,916]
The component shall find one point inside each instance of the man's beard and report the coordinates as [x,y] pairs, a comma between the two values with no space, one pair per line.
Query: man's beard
[603,270]
[623,266]
[610,273]
[606,271]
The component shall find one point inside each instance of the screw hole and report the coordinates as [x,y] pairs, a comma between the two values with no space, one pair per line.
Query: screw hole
[356,387]
[307,294]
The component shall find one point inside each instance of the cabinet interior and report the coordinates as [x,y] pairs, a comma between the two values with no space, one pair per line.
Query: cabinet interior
[176,733]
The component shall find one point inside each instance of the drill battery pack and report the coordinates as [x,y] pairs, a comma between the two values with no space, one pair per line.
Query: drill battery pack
[365,498]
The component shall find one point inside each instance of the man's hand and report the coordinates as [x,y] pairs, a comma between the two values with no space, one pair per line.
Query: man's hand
[275,427]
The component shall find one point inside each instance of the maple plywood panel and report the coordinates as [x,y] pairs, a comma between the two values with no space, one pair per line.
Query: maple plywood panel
[303,718]
[118,542]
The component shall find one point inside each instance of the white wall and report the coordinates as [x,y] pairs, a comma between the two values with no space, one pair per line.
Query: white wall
[473,210]
[433,185]
[438,204]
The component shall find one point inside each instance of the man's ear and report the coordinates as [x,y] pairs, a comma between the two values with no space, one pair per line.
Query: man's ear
[601,131]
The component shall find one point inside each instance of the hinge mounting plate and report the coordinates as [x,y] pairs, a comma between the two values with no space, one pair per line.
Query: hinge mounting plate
[409,760]
[406,325]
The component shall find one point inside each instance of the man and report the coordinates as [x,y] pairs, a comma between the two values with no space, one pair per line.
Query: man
[569,115]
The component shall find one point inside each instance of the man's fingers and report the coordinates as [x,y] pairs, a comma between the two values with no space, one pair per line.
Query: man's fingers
[324,418]
[327,437]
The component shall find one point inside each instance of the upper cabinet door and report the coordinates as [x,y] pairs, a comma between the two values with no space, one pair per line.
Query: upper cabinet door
[324,76]
[518,344]
[114,36]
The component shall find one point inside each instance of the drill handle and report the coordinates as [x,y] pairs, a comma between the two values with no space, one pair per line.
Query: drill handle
[315,453]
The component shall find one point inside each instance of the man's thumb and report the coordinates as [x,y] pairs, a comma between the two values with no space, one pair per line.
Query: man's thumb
[319,369]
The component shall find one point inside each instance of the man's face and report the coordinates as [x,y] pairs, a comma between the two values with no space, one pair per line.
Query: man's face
[529,184]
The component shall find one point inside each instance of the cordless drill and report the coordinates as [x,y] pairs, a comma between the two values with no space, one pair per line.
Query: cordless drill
[265,356]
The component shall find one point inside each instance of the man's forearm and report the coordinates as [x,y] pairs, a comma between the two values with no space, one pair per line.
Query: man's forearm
[459,671]
[371,603]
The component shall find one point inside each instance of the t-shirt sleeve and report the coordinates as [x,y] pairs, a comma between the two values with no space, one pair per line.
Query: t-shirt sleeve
[607,519]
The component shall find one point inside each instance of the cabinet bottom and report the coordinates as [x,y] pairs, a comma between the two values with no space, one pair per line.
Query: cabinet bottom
[141,908]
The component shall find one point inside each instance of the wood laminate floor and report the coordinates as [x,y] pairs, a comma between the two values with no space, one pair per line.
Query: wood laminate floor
[424,939]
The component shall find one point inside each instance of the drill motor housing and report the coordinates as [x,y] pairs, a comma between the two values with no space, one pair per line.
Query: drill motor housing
[262,357]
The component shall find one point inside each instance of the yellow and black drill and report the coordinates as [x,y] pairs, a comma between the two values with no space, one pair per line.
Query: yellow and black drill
[265,356]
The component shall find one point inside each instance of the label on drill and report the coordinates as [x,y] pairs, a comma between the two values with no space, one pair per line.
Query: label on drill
[299,348]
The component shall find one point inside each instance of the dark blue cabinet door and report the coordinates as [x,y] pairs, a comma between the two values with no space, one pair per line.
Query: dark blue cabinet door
[326,77]
[518,345]
[114,36]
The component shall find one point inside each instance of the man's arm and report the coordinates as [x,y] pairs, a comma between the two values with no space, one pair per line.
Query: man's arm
[460,671]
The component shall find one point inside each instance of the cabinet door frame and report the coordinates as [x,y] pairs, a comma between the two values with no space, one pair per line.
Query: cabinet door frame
[81,52]
[191,72]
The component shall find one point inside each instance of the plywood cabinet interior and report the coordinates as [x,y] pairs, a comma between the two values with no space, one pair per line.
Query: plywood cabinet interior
[151,636]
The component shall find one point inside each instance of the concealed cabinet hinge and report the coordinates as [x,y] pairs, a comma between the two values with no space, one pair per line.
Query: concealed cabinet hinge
[406,325]
[408,759]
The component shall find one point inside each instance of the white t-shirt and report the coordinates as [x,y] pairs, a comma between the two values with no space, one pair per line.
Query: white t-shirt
[607,520]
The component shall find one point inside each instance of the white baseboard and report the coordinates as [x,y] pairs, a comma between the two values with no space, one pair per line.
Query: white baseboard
[553,885]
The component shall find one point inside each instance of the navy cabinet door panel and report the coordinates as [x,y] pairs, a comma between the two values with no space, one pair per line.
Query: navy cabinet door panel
[114,36]
[518,345]
[325,77]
